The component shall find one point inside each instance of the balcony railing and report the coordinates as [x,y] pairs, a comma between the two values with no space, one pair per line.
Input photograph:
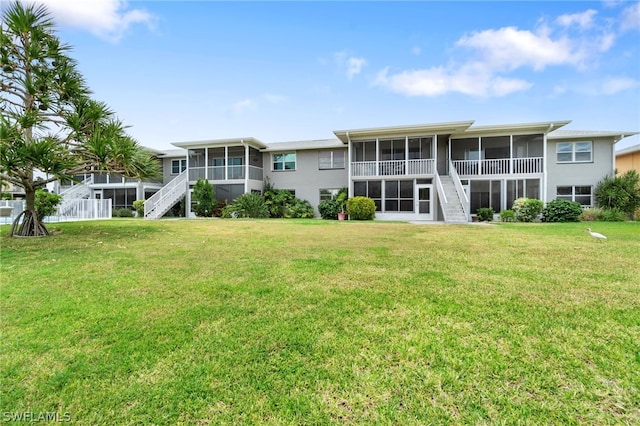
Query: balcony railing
[393,168]
[500,166]
[218,172]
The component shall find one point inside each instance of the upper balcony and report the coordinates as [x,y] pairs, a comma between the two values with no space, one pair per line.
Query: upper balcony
[393,168]
[226,172]
[499,166]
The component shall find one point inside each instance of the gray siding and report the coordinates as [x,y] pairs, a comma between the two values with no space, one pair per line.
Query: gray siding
[578,174]
[307,179]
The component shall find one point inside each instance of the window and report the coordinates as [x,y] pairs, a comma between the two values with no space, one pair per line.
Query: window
[398,196]
[284,161]
[574,152]
[579,194]
[371,189]
[331,160]
[329,194]
[178,166]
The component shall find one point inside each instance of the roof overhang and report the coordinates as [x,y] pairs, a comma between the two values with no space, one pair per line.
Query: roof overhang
[512,129]
[412,130]
[221,142]
[586,134]
[305,145]
[628,150]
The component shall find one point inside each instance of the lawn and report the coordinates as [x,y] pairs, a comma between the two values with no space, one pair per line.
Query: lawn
[322,322]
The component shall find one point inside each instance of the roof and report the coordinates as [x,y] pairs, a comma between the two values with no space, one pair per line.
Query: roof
[628,150]
[509,129]
[302,145]
[576,134]
[251,141]
[170,153]
[417,129]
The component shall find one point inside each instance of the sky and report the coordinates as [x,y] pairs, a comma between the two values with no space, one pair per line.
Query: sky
[288,71]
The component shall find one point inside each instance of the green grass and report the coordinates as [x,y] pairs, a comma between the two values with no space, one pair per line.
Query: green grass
[318,322]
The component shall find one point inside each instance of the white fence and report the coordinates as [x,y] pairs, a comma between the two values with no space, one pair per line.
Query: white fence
[68,210]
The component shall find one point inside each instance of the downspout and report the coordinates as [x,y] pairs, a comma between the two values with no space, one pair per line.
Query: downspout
[246,165]
[349,183]
[545,156]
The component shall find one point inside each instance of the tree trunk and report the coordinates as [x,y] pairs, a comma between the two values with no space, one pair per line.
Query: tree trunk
[27,223]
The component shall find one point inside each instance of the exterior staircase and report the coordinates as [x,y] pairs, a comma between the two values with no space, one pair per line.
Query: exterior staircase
[160,202]
[78,191]
[453,209]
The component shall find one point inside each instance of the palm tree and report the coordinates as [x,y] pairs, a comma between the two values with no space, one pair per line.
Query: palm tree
[48,122]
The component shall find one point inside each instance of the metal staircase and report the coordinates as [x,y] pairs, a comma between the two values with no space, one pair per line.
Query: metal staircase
[453,199]
[160,202]
[78,191]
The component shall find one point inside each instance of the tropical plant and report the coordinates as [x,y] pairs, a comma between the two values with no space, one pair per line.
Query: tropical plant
[49,123]
[247,205]
[204,198]
[507,216]
[329,209]
[560,210]
[620,192]
[46,203]
[527,209]
[361,208]
[299,209]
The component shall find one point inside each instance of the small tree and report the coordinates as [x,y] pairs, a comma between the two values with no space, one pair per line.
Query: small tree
[204,197]
[620,193]
[46,203]
[49,123]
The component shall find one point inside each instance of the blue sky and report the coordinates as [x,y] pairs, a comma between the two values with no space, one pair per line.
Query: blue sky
[283,71]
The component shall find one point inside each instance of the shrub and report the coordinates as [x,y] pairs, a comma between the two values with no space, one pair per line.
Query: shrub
[527,209]
[46,203]
[122,213]
[612,215]
[299,209]
[247,205]
[560,210]
[591,214]
[138,205]
[507,216]
[329,209]
[361,208]
[204,198]
[485,214]
[621,193]
[277,201]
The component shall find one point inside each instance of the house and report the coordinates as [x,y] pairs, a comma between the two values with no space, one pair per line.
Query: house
[431,172]
[628,159]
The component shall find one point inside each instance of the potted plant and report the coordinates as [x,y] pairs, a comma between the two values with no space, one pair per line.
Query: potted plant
[342,200]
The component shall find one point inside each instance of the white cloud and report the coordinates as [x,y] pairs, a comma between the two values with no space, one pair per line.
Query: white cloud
[107,19]
[582,20]
[274,99]
[354,66]
[244,105]
[351,65]
[612,86]
[416,50]
[630,19]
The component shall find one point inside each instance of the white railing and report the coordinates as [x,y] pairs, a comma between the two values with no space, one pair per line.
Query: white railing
[499,166]
[218,172]
[82,209]
[160,202]
[462,194]
[78,191]
[393,168]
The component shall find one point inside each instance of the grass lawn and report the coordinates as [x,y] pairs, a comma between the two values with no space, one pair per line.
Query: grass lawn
[322,322]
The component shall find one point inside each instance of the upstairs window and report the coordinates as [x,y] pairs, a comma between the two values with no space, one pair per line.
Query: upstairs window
[331,160]
[178,166]
[574,152]
[286,161]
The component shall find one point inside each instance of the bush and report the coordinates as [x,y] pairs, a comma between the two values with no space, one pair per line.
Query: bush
[299,209]
[591,214]
[485,214]
[527,209]
[277,201]
[46,203]
[361,208]
[560,210]
[507,216]
[247,205]
[612,215]
[204,198]
[122,213]
[329,209]
[138,205]
[621,193]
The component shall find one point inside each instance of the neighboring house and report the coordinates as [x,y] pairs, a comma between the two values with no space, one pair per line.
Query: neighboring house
[431,172]
[628,159]
[11,191]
